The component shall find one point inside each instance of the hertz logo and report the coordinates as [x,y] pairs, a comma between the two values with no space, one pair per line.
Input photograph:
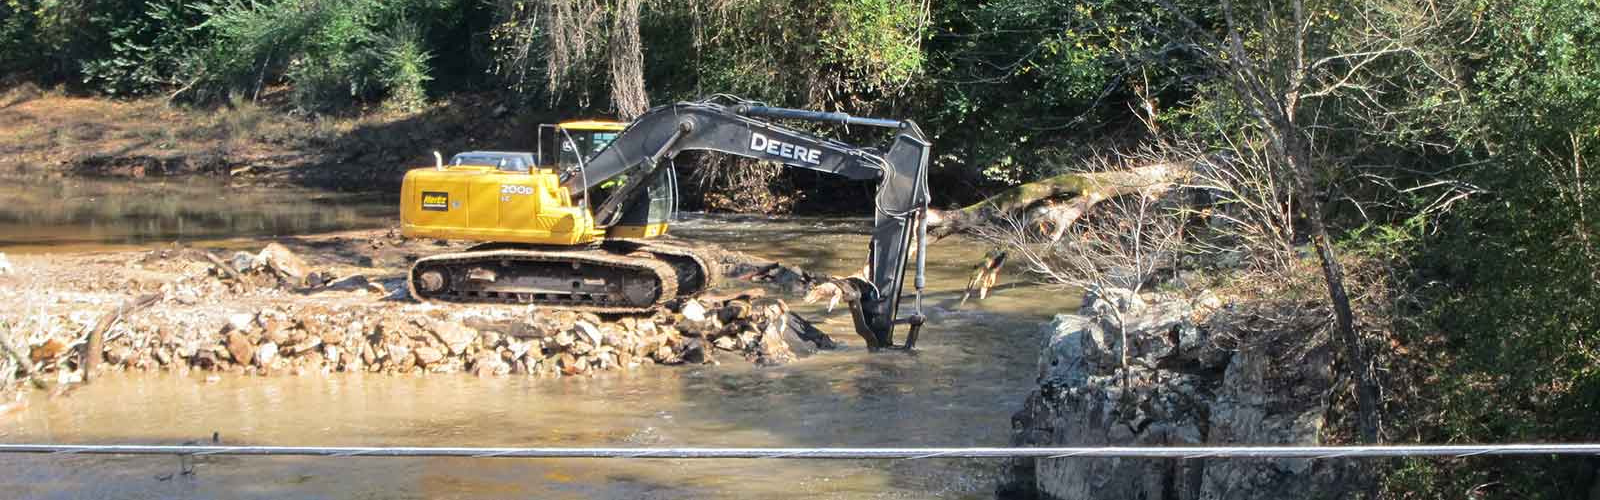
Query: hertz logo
[436,201]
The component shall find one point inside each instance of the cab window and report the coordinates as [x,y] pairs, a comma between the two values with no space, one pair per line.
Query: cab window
[600,141]
[505,163]
[584,145]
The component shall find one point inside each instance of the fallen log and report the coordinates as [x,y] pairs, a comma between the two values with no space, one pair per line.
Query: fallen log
[1050,206]
[226,268]
[95,343]
[1062,199]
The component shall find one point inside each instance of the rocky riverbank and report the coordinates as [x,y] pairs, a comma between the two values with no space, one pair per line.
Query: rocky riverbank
[339,304]
[1171,371]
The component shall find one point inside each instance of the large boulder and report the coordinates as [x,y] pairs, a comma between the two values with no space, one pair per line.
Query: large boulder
[283,261]
[1179,383]
[428,356]
[454,335]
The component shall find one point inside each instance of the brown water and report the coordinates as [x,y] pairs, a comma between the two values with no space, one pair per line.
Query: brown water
[973,368]
[52,214]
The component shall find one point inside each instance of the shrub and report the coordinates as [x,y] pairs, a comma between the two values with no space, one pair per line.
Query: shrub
[333,54]
[146,48]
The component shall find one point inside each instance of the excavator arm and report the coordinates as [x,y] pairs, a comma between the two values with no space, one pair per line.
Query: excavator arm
[743,129]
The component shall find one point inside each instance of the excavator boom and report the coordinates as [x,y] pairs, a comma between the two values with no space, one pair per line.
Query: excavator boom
[741,129]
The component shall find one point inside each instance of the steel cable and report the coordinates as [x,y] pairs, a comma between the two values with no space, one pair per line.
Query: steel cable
[1236,452]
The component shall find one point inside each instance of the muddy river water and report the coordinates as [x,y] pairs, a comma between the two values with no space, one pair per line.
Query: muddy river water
[974,365]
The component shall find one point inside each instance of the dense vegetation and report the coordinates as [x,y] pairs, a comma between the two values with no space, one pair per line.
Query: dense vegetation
[1448,141]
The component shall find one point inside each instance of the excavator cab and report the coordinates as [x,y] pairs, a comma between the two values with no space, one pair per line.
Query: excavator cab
[569,144]
[573,143]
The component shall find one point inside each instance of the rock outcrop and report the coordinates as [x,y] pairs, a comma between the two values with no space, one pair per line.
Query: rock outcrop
[1193,374]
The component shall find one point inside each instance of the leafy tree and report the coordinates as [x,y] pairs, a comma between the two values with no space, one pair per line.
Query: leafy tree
[332,53]
[1522,264]
[148,48]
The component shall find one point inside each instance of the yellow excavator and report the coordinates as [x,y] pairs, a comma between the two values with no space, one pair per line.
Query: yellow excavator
[581,225]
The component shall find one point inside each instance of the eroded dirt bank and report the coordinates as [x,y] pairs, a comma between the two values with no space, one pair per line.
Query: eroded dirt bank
[46,133]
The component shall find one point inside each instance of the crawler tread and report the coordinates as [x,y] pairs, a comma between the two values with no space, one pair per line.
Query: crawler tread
[666,278]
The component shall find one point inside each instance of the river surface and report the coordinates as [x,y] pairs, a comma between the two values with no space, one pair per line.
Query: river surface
[974,366]
[42,214]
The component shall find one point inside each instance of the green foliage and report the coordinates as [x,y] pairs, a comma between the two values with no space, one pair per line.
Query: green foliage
[1386,241]
[878,43]
[517,42]
[19,26]
[403,63]
[1025,87]
[251,41]
[760,49]
[46,38]
[1522,311]
[147,50]
[333,54]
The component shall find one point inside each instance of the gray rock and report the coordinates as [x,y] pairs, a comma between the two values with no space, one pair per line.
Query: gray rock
[243,261]
[349,283]
[396,351]
[267,352]
[454,336]
[281,259]
[590,332]
[1178,388]
[241,322]
[694,311]
[428,355]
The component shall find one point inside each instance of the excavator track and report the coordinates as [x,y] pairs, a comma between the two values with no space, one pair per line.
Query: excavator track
[697,270]
[599,280]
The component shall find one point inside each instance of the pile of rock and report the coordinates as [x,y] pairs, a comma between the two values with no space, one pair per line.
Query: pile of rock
[275,267]
[265,313]
[485,341]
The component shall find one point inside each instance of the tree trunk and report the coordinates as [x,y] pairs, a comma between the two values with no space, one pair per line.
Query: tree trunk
[1082,190]
[1344,320]
[627,62]
[1299,156]
[94,343]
